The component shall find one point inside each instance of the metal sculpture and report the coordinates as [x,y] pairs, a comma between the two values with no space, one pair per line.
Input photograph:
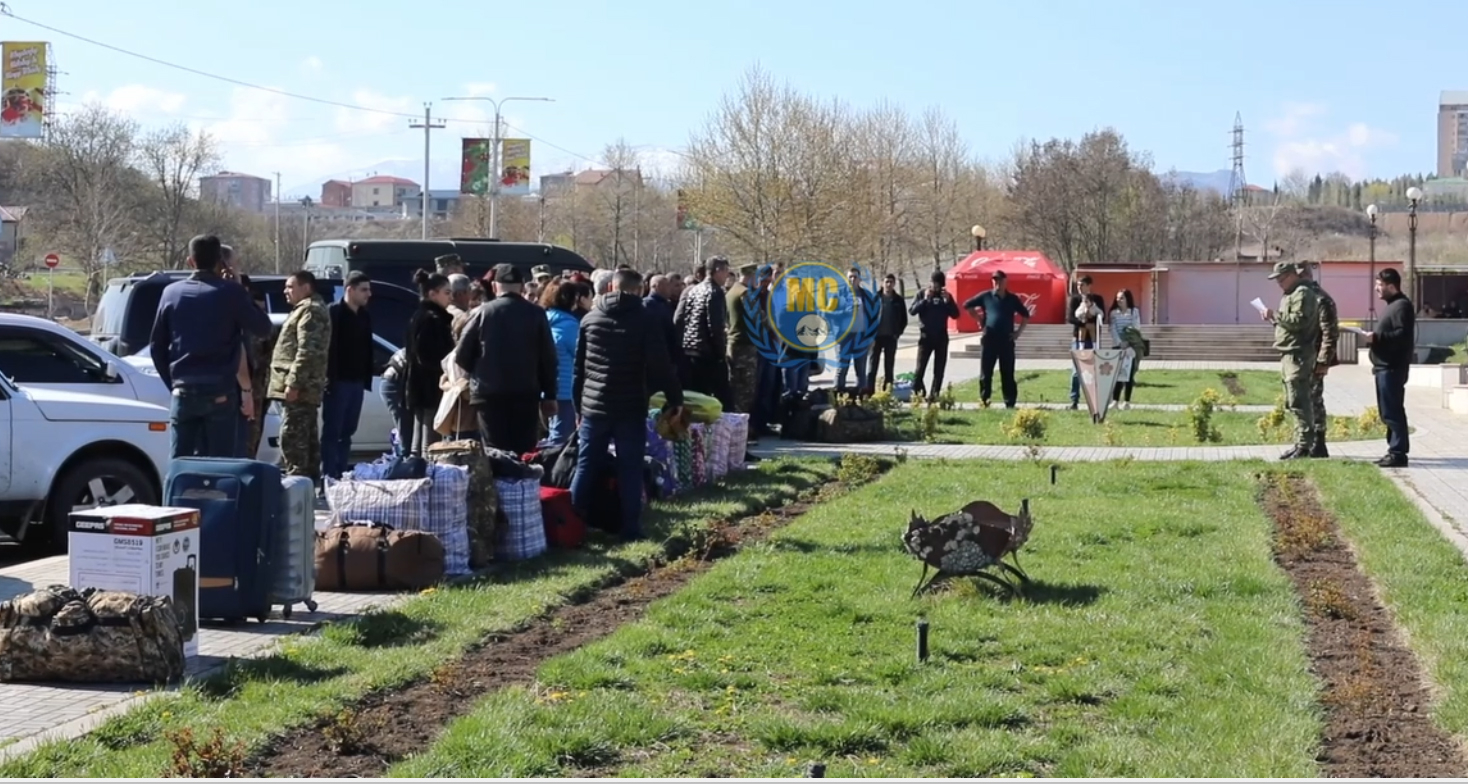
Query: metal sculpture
[969,543]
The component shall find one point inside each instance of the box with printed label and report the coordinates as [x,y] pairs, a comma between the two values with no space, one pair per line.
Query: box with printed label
[147,550]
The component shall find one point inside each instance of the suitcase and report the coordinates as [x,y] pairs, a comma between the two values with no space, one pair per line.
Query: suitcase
[240,503]
[293,555]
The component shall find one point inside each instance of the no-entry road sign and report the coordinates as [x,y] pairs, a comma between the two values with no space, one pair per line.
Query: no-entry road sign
[52,261]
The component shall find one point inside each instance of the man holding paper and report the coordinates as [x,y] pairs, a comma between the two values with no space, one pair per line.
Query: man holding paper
[1297,338]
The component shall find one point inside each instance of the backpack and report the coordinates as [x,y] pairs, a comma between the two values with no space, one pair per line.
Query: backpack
[90,636]
[850,424]
[563,527]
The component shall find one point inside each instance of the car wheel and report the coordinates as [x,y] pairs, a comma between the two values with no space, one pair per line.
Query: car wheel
[92,484]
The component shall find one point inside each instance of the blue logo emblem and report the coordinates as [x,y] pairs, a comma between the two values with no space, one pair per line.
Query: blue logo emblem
[812,309]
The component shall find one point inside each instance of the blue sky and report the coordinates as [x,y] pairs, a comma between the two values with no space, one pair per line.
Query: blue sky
[1346,85]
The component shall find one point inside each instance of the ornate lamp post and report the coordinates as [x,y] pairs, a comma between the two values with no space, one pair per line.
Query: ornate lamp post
[978,233]
[1371,241]
[1414,195]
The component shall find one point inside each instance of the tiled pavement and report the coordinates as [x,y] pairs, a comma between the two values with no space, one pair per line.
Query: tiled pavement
[34,713]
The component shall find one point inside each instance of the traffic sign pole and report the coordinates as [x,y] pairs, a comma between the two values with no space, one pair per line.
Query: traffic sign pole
[52,262]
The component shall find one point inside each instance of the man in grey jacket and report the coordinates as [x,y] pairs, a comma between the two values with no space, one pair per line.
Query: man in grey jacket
[510,356]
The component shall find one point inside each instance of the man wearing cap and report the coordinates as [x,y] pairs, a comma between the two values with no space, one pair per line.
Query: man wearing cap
[933,306]
[1325,359]
[510,356]
[743,358]
[1297,338]
[449,264]
[1000,306]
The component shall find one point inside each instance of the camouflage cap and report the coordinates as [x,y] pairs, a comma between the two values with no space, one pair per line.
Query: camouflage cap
[1284,268]
[540,271]
[447,262]
[748,269]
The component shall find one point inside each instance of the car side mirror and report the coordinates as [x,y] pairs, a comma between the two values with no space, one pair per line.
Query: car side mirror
[110,371]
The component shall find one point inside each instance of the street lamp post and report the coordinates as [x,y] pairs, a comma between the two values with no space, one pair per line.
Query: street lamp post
[1414,195]
[494,153]
[979,234]
[1371,243]
[306,221]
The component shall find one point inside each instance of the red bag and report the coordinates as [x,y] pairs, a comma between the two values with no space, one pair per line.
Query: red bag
[563,527]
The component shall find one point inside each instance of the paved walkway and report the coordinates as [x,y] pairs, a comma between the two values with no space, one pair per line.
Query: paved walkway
[35,713]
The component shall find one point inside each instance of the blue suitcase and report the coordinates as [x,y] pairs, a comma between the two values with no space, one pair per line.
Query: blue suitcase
[240,503]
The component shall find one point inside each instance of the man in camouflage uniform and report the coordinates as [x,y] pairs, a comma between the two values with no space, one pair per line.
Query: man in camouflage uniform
[1325,359]
[1297,338]
[298,376]
[449,264]
[743,357]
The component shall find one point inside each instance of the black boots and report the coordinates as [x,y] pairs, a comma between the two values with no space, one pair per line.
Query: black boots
[1318,449]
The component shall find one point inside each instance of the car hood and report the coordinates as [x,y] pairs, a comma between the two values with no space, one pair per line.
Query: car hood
[59,406]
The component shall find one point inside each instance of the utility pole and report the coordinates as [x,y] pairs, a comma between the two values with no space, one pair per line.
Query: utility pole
[277,223]
[428,127]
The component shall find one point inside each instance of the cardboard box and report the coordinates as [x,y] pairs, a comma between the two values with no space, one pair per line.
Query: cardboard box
[148,550]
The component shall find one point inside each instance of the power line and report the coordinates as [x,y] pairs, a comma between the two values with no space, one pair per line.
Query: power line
[5,11]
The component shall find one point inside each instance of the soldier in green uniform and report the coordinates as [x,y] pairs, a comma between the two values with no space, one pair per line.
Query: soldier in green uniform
[743,357]
[1325,359]
[1297,338]
[298,376]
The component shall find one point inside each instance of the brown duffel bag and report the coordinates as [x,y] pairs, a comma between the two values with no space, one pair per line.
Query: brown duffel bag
[371,557]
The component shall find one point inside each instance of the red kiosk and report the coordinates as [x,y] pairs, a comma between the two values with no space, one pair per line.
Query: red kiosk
[1040,283]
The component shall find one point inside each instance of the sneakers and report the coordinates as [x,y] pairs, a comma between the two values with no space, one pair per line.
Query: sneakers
[1126,405]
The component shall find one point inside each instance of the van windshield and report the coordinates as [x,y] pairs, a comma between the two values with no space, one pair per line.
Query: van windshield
[107,321]
[327,261]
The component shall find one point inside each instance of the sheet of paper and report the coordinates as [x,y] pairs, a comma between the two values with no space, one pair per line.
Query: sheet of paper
[1356,330]
[1259,305]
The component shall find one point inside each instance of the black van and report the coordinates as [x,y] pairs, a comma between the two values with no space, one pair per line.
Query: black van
[125,313]
[394,261]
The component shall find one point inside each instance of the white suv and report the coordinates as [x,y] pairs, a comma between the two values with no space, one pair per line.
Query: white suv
[40,354]
[63,450]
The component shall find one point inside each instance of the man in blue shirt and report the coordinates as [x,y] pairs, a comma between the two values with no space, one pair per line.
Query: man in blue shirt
[999,306]
[198,336]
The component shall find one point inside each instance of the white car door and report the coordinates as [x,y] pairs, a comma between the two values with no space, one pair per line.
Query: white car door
[42,359]
[374,428]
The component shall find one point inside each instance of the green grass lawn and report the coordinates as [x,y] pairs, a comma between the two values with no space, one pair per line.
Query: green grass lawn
[1158,640]
[1154,387]
[1134,428]
[311,675]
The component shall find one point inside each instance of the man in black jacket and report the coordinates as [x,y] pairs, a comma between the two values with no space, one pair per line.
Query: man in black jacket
[660,307]
[348,373]
[1083,313]
[621,359]
[934,306]
[1393,345]
[510,356]
[892,322]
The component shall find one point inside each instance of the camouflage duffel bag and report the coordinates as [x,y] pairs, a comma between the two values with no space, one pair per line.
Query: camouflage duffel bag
[89,636]
[483,501]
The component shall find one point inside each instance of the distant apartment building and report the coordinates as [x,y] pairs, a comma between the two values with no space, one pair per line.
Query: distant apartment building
[441,204]
[1452,133]
[241,191]
[557,184]
[384,191]
[608,178]
[336,193]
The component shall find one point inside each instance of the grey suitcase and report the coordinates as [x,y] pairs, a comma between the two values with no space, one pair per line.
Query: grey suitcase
[293,557]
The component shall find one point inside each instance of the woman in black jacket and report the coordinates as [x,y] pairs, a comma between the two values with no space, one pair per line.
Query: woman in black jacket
[430,339]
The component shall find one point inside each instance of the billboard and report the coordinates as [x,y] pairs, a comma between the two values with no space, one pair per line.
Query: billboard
[515,166]
[474,169]
[23,89]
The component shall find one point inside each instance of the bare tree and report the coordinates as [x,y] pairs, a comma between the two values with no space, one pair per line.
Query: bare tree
[618,191]
[173,158]
[89,190]
[943,161]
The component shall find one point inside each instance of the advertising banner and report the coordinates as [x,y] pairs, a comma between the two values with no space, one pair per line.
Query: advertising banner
[515,167]
[474,167]
[23,89]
